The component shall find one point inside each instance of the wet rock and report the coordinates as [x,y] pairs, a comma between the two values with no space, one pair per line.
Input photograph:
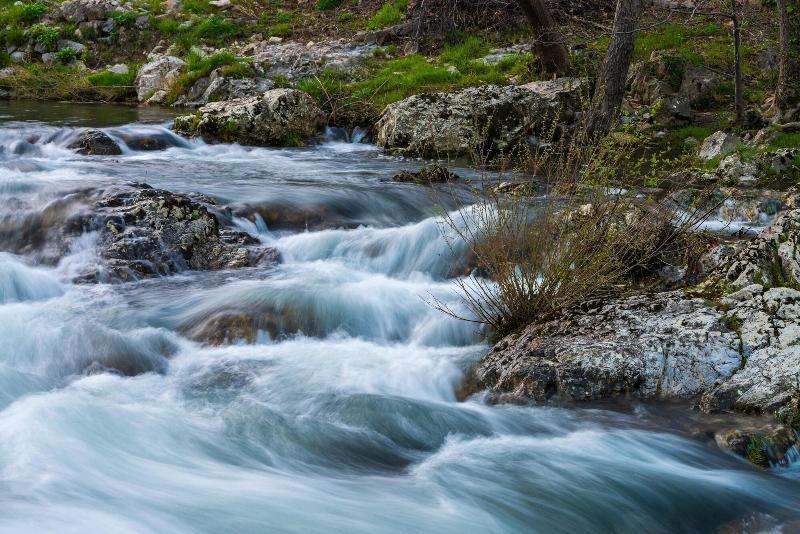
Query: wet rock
[483,119]
[430,174]
[94,142]
[718,144]
[146,142]
[764,447]
[153,78]
[279,117]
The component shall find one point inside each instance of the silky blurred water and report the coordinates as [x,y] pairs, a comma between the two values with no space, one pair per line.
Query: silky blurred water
[345,418]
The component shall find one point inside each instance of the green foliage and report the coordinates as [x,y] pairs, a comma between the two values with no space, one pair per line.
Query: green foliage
[327,5]
[390,13]
[785,140]
[280,81]
[199,66]
[663,37]
[698,132]
[277,17]
[13,35]
[345,17]
[46,36]
[123,19]
[757,451]
[21,14]
[67,55]
[167,25]
[216,28]
[5,58]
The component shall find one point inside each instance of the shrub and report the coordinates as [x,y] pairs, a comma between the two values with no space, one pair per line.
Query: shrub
[581,241]
[66,56]
[390,13]
[123,19]
[14,35]
[45,36]
[327,5]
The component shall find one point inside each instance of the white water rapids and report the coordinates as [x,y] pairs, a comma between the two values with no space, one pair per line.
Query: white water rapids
[348,422]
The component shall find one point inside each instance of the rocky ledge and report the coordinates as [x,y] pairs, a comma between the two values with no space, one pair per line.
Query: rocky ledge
[731,343]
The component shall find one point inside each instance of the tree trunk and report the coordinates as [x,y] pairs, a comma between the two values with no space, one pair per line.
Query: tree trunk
[549,46]
[788,91]
[610,88]
[738,93]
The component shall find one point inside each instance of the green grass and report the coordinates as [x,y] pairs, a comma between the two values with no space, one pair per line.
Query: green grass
[65,56]
[281,29]
[785,140]
[216,28]
[390,13]
[198,7]
[113,79]
[698,132]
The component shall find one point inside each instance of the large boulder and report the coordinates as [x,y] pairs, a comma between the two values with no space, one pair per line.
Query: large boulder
[478,119]
[154,78]
[93,142]
[279,117]
[294,60]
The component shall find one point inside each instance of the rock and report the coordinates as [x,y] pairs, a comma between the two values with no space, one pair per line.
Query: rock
[94,142]
[781,160]
[220,4]
[564,92]
[732,170]
[275,39]
[142,22]
[119,68]
[296,60]
[486,118]
[430,174]
[77,47]
[155,77]
[18,57]
[48,58]
[279,117]
[7,72]
[216,87]
[627,346]
[718,144]
[85,10]
[764,447]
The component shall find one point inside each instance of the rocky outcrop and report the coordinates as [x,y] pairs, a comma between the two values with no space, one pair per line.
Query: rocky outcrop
[279,117]
[295,61]
[673,82]
[94,142]
[478,119]
[659,346]
[141,232]
[718,144]
[430,174]
[216,87]
[739,351]
[153,79]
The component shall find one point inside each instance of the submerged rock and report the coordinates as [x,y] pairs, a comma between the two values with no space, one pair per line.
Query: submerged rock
[478,119]
[94,142]
[279,117]
[430,174]
[764,447]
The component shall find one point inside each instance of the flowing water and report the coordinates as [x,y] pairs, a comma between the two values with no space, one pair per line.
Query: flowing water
[350,422]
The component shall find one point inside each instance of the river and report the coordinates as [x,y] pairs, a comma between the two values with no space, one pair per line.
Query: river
[346,422]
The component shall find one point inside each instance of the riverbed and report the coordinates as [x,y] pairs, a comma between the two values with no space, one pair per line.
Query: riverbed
[344,419]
